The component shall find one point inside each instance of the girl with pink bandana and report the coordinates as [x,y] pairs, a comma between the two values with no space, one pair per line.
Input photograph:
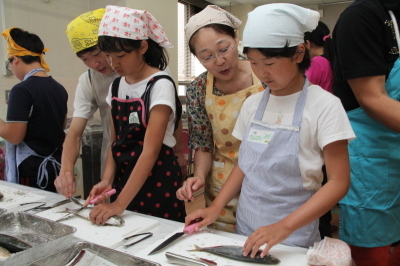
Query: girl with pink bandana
[145,110]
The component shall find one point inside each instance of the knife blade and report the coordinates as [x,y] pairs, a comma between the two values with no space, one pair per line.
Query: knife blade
[189,229]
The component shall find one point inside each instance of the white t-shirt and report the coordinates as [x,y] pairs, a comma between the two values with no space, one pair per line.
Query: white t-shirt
[90,95]
[324,121]
[87,101]
[163,93]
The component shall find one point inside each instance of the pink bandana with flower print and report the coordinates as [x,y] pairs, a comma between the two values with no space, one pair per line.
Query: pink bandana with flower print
[128,23]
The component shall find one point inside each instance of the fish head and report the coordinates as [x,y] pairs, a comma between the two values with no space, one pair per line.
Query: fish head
[115,220]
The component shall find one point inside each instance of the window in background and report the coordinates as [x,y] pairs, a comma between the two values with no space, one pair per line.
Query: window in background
[188,65]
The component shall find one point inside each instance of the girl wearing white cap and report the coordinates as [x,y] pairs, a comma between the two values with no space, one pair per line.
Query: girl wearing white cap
[141,164]
[214,100]
[287,134]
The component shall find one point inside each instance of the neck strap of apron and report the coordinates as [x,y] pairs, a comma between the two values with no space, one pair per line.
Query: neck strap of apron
[33,71]
[299,105]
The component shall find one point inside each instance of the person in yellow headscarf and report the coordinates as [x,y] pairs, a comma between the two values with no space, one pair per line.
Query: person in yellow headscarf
[36,114]
[90,95]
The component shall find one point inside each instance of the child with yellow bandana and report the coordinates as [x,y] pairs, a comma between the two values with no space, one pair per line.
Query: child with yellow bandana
[90,95]
[36,114]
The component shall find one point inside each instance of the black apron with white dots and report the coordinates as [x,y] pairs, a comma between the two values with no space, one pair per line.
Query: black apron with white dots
[157,197]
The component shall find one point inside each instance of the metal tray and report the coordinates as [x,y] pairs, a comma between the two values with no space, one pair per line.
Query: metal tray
[45,236]
[64,256]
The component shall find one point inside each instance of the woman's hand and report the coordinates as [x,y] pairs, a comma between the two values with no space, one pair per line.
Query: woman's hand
[99,189]
[101,212]
[271,235]
[191,185]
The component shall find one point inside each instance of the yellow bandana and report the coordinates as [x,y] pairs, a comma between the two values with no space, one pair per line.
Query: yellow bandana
[14,49]
[82,31]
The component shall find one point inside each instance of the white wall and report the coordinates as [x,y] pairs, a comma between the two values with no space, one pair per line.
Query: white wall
[331,13]
[241,13]
[48,21]
[166,12]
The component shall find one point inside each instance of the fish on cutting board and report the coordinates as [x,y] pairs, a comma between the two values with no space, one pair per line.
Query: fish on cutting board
[236,253]
[84,213]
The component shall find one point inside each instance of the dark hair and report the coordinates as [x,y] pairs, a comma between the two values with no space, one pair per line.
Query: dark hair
[87,50]
[224,29]
[30,42]
[286,52]
[155,55]
[317,37]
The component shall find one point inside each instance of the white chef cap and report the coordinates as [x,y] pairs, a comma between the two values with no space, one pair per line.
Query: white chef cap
[275,25]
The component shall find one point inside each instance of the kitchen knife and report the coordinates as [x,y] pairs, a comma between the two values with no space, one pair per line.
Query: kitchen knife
[186,261]
[189,229]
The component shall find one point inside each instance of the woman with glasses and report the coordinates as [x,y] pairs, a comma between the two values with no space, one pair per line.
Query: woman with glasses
[214,100]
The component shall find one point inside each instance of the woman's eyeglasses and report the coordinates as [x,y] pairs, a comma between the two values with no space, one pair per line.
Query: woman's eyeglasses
[212,58]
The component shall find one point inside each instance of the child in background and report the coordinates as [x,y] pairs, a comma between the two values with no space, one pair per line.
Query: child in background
[141,164]
[287,134]
[320,45]
[36,114]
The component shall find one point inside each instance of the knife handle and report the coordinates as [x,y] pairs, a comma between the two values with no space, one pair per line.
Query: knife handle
[109,193]
[190,228]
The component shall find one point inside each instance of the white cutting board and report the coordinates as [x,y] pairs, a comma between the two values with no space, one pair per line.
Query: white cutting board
[206,239]
[14,197]
[107,236]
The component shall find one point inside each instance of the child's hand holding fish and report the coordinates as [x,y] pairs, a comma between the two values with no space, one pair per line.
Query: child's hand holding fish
[271,235]
[101,213]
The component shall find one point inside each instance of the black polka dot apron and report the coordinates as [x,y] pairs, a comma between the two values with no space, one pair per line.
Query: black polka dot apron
[157,197]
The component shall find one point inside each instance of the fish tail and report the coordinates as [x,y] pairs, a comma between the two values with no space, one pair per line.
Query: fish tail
[197,248]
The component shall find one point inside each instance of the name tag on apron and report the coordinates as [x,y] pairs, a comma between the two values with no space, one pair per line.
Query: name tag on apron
[134,118]
[260,136]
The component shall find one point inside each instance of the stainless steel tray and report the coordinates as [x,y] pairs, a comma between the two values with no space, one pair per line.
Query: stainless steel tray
[66,255]
[45,236]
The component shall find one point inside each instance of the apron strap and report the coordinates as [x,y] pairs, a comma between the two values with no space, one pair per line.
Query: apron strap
[115,87]
[147,93]
[301,102]
[298,114]
[42,172]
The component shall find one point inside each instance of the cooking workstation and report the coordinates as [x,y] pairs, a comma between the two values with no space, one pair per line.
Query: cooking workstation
[57,234]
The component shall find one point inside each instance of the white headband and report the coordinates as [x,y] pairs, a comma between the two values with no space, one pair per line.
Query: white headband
[275,25]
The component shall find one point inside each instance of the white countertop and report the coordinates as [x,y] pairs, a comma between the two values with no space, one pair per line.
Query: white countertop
[164,229]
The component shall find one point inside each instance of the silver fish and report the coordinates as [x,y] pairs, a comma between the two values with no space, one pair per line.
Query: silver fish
[236,253]
[84,213]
